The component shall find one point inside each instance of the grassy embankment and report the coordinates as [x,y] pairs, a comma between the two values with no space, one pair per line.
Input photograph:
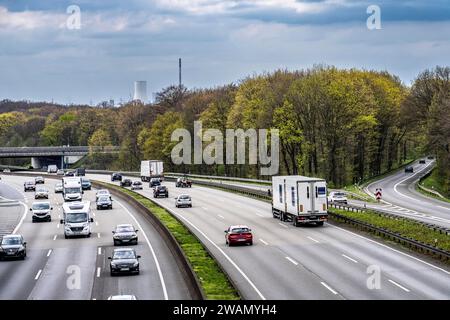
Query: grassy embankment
[432,182]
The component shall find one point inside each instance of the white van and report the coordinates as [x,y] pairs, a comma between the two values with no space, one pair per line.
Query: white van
[72,189]
[77,219]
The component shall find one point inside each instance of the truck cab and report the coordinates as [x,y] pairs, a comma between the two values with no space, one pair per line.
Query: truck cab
[77,219]
[72,189]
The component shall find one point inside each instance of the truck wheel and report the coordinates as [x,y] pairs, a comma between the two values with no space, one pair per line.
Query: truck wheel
[294,222]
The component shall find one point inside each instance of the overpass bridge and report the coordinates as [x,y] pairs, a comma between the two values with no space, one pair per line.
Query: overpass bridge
[59,155]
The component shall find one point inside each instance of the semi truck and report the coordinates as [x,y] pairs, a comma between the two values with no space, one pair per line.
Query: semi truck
[299,199]
[72,189]
[151,169]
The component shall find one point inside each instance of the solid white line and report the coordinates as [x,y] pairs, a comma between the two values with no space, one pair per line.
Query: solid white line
[54,238]
[401,287]
[292,260]
[98,272]
[444,207]
[283,225]
[264,242]
[313,239]
[38,274]
[328,287]
[99,251]
[409,177]
[221,251]
[49,252]
[351,259]
[220,216]
[392,249]
[22,219]
[163,284]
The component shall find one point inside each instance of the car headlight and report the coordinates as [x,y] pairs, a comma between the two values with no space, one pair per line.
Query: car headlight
[116,237]
[113,264]
[1,249]
[135,264]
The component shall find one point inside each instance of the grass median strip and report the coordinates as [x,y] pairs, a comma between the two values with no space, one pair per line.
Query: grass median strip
[406,228]
[214,282]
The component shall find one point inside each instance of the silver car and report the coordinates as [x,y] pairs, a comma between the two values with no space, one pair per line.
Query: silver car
[58,187]
[41,211]
[183,200]
[41,193]
[136,185]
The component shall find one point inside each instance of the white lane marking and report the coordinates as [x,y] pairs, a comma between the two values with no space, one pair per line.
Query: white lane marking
[38,274]
[392,249]
[313,239]
[259,215]
[98,272]
[398,285]
[283,225]
[444,207]
[98,235]
[409,177]
[99,251]
[49,252]
[59,216]
[158,267]
[93,213]
[292,260]
[264,242]
[54,238]
[96,223]
[221,216]
[57,226]
[351,259]
[59,208]
[22,219]
[205,208]
[221,251]
[328,287]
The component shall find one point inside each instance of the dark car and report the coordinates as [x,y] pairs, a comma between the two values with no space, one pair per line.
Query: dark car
[13,246]
[70,173]
[155,182]
[409,169]
[160,191]
[124,261]
[39,180]
[126,183]
[422,161]
[86,184]
[104,202]
[29,185]
[125,234]
[430,157]
[116,177]
[238,235]
[80,171]
[183,183]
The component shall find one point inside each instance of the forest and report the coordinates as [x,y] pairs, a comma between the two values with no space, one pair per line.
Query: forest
[342,125]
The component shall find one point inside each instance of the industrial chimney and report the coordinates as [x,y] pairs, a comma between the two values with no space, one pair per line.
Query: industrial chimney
[140,91]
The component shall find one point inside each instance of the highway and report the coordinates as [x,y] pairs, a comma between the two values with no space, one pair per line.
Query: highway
[301,263]
[58,268]
[399,195]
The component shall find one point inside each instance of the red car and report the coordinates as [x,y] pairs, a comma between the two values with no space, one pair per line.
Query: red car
[238,234]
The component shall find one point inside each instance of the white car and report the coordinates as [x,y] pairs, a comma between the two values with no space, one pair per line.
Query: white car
[183,200]
[6,170]
[41,192]
[41,211]
[102,192]
[337,197]
[58,187]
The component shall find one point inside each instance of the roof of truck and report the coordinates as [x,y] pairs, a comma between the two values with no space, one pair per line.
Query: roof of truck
[298,178]
[76,206]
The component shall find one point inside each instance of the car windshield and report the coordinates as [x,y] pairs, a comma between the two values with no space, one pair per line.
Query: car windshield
[41,190]
[11,241]
[29,182]
[85,180]
[41,206]
[76,217]
[184,197]
[103,199]
[137,183]
[72,190]
[339,194]
[125,229]
[124,254]
[240,230]
[58,185]
[103,192]
[163,188]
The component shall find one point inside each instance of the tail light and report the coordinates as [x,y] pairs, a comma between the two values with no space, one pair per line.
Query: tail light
[301,208]
[247,235]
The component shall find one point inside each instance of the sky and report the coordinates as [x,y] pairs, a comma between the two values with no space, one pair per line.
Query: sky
[46,55]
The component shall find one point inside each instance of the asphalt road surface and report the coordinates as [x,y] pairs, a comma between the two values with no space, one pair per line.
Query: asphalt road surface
[58,268]
[286,262]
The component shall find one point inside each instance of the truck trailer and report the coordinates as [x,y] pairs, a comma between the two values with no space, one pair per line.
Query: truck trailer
[299,199]
[151,169]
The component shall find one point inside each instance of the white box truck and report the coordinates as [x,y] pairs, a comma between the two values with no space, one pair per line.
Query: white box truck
[299,199]
[151,169]
[72,189]
[52,168]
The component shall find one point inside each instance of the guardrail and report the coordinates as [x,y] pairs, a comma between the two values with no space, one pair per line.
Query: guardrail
[419,184]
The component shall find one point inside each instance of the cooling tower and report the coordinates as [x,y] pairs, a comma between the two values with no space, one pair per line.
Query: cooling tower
[140,91]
